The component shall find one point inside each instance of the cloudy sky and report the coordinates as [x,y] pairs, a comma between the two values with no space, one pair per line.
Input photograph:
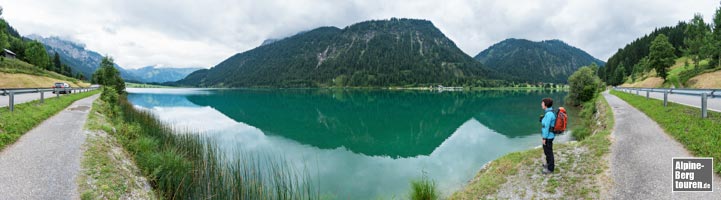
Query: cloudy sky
[192,33]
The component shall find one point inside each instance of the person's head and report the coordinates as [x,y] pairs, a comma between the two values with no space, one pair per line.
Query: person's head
[546,103]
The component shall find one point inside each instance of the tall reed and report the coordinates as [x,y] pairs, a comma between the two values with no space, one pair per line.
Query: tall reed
[192,166]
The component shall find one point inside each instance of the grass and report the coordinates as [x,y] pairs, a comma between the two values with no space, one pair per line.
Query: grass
[581,165]
[693,71]
[678,76]
[495,173]
[28,115]
[191,166]
[31,81]
[423,189]
[16,66]
[676,69]
[107,170]
[702,137]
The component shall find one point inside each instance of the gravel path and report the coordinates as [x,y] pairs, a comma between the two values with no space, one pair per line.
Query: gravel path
[641,155]
[44,162]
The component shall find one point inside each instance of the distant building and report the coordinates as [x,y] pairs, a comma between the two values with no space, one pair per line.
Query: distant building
[8,54]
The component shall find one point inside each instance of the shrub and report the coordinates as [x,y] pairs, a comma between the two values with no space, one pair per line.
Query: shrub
[110,96]
[584,84]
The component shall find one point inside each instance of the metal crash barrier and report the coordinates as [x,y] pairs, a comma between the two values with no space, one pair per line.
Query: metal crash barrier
[11,92]
[703,93]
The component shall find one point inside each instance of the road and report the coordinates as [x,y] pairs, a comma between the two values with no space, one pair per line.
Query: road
[714,104]
[44,162]
[641,153]
[22,98]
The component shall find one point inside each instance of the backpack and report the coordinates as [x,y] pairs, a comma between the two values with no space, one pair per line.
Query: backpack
[559,127]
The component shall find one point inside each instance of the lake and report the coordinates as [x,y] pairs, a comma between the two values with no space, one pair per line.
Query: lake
[362,144]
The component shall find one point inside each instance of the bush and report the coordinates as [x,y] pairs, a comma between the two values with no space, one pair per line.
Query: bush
[584,84]
[110,96]
[588,110]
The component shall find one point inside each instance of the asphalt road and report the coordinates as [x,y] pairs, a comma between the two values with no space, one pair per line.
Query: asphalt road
[44,162]
[22,98]
[641,164]
[714,104]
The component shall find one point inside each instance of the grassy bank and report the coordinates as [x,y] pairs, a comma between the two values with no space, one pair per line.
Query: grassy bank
[15,71]
[107,170]
[28,115]
[581,166]
[702,137]
[191,166]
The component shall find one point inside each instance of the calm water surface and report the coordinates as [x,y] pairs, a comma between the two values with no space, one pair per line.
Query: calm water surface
[361,144]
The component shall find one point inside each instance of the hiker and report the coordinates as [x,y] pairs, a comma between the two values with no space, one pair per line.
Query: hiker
[547,135]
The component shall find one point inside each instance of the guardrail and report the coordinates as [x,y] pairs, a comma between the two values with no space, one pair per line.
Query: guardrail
[703,93]
[11,92]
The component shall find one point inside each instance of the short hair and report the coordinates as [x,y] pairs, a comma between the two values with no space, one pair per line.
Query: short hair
[548,102]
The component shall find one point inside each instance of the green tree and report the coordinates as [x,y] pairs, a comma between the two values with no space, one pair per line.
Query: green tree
[4,37]
[4,40]
[35,54]
[583,85]
[619,75]
[57,67]
[696,41]
[65,70]
[616,78]
[108,76]
[80,76]
[716,38]
[661,55]
[18,47]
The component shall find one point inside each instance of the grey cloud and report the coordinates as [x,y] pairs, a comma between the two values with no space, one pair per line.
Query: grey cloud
[189,33]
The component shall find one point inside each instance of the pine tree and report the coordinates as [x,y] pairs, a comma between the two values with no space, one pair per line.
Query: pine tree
[696,40]
[716,38]
[619,75]
[56,64]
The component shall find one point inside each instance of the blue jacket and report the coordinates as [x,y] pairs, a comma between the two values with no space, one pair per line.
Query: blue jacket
[548,120]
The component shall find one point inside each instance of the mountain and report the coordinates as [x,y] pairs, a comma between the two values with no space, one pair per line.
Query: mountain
[151,74]
[544,61]
[395,52]
[77,57]
[269,41]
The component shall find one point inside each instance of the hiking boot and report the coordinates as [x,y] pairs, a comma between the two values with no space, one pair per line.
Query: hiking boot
[545,166]
[546,171]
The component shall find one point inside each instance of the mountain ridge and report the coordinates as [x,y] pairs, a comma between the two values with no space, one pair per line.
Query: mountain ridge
[543,61]
[153,74]
[376,53]
[79,58]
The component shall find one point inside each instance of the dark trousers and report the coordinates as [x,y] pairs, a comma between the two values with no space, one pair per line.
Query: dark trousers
[548,150]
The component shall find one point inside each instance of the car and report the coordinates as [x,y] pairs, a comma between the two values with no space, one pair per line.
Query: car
[62,88]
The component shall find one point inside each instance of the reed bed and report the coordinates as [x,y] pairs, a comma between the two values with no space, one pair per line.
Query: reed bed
[189,165]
